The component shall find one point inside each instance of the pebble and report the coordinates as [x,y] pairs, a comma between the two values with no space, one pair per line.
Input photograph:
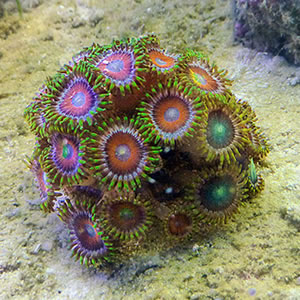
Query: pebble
[195,297]
[47,37]
[36,249]
[293,81]
[47,246]
[252,292]
[77,22]
[196,248]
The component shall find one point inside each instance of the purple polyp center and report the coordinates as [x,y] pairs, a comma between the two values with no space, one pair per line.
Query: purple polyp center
[78,99]
[90,230]
[44,177]
[115,66]
[67,151]
[171,114]
[123,152]
[200,79]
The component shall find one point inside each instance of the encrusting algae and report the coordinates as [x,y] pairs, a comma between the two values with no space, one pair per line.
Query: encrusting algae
[117,131]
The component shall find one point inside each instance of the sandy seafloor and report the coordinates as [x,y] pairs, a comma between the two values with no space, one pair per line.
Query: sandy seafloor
[257,256]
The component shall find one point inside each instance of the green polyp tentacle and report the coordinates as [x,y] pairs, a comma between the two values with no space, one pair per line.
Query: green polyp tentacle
[252,172]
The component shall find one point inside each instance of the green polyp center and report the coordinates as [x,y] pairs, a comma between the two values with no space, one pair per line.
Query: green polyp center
[220,130]
[126,214]
[67,151]
[218,193]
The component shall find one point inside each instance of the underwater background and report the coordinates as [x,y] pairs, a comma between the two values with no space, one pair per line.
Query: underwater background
[256,256]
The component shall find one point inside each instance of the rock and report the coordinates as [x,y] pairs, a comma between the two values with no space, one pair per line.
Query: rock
[294,79]
[77,22]
[15,212]
[96,16]
[292,215]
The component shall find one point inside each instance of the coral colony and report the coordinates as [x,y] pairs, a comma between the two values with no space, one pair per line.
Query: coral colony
[138,148]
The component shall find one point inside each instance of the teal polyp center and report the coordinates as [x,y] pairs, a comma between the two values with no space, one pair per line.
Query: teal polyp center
[67,151]
[78,99]
[218,193]
[126,214]
[220,130]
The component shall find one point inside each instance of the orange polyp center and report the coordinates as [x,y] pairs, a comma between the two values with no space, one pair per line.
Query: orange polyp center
[124,153]
[161,60]
[203,79]
[87,234]
[179,224]
[171,113]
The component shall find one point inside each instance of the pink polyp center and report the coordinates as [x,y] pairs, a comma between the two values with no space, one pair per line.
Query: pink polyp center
[117,66]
